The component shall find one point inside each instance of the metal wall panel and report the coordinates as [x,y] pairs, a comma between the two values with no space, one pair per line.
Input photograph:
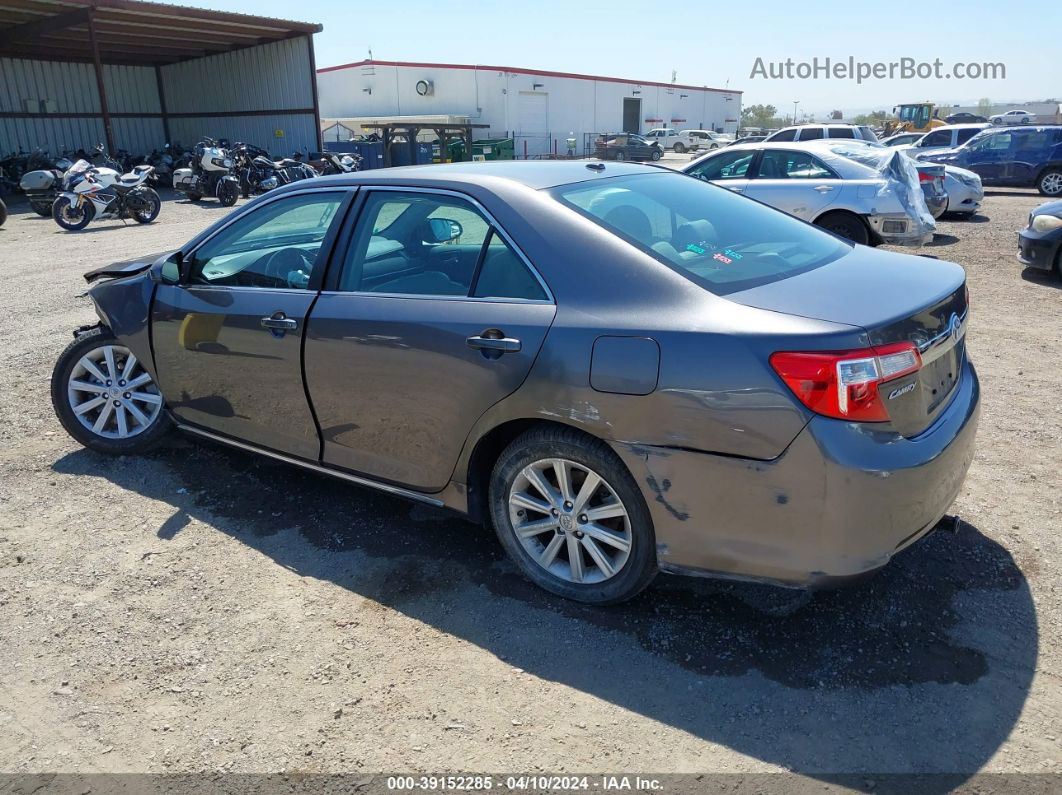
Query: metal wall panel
[267,77]
[71,86]
[138,136]
[51,135]
[300,131]
[131,89]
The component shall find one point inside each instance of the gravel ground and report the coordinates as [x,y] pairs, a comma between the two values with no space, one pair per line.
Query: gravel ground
[205,610]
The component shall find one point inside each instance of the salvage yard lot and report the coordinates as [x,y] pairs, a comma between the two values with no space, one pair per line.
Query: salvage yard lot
[204,609]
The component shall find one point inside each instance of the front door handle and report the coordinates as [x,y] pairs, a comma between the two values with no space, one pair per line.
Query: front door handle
[736,188]
[494,341]
[823,188]
[279,322]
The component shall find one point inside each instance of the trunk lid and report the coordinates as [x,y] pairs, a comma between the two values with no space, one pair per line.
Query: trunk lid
[894,298]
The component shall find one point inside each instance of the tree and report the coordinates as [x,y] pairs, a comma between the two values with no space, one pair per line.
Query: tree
[984,106]
[876,118]
[836,114]
[760,116]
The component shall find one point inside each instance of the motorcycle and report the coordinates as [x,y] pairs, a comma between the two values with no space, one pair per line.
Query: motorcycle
[255,168]
[90,192]
[42,186]
[327,163]
[210,174]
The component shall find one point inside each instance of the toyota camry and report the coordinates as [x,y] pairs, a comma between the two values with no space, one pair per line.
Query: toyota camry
[622,369]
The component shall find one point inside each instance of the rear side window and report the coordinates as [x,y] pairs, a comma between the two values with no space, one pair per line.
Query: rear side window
[782,164]
[1032,140]
[867,134]
[811,133]
[784,135]
[715,238]
[966,135]
[841,132]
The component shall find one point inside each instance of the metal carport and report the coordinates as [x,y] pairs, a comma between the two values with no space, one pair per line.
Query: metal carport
[135,75]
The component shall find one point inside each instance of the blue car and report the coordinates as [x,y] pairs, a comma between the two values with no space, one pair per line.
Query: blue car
[1015,157]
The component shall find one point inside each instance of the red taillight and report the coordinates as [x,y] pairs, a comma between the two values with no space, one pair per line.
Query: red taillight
[844,384]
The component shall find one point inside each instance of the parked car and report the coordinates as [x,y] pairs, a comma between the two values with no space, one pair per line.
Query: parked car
[706,139]
[748,139]
[965,118]
[815,184]
[621,368]
[1012,117]
[1040,243]
[669,138]
[947,137]
[811,132]
[1011,157]
[627,146]
[902,139]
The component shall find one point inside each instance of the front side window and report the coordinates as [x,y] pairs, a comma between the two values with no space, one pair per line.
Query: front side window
[966,135]
[938,138]
[432,244]
[782,164]
[995,142]
[273,246]
[811,133]
[717,239]
[784,135]
[726,165]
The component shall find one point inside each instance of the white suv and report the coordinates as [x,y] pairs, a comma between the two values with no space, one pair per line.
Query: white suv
[707,139]
[814,132]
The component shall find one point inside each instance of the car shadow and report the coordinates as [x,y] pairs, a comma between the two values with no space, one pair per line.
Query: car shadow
[940,239]
[921,669]
[1042,278]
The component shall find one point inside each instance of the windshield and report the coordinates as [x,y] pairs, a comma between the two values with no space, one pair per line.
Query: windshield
[79,166]
[721,241]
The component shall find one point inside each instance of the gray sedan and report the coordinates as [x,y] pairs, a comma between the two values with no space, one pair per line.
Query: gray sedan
[620,368]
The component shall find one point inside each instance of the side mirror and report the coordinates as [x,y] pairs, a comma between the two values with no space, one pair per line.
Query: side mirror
[443,230]
[168,271]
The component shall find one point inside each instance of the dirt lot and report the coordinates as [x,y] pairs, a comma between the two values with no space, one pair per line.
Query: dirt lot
[201,609]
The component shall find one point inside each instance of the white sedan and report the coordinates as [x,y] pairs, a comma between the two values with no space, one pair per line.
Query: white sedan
[1012,117]
[851,199]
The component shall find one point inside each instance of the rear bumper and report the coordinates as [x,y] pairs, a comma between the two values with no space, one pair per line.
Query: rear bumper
[911,235]
[839,503]
[1037,250]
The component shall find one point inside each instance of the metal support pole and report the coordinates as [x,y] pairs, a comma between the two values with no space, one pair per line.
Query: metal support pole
[162,105]
[100,87]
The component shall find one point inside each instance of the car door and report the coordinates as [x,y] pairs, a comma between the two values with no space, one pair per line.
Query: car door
[795,182]
[405,350]
[228,338]
[728,168]
[988,157]
[1029,153]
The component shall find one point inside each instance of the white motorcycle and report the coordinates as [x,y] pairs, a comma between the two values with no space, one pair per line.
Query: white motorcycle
[96,192]
[211,173]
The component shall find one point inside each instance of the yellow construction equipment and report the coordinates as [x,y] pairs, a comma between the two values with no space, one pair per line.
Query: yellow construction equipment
[914,117]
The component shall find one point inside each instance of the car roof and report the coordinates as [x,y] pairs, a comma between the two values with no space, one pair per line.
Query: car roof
[535,174]
[979,125]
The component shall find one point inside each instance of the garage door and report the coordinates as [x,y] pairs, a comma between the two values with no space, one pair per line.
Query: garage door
[533,114]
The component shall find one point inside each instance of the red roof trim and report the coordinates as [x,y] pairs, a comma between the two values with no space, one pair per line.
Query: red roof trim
[519,71]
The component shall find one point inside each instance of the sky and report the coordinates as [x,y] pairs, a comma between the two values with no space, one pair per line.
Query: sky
[706,44]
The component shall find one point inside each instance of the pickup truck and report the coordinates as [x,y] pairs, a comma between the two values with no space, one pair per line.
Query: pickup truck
[669,138]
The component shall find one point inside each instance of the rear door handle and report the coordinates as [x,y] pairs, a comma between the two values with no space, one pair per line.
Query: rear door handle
[278,322]
[736,188]
[498,344]
[823,188]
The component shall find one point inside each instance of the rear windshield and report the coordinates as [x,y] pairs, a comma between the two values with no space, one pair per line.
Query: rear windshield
[718,239]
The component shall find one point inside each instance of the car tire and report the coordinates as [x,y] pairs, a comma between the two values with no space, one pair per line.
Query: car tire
[679,147]
[619,156]
[71,379]
[846,225]
[1050,182]
[656,155]
[608,571]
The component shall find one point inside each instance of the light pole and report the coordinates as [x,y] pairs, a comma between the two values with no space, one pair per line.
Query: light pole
[795,103]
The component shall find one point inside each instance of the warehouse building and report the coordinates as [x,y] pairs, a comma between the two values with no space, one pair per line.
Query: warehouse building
[135,75]
[540,109]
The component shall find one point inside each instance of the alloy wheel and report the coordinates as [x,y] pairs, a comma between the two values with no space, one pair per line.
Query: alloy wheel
[570,521]
[111,393]
[1052,183]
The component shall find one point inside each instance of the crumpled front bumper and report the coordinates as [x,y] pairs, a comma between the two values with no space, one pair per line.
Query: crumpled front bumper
[837,504]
